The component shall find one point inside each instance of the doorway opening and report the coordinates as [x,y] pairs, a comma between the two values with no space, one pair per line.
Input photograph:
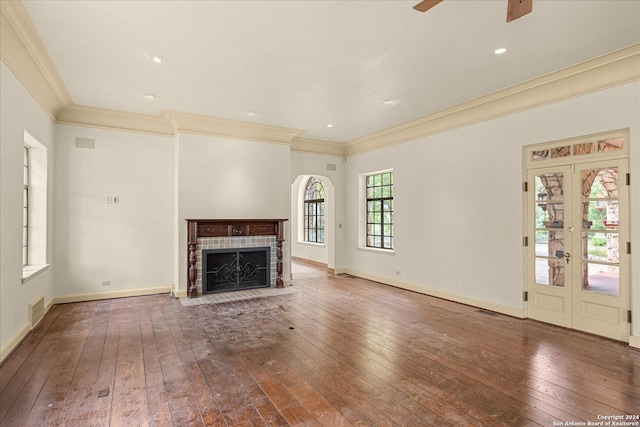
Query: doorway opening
[577,213]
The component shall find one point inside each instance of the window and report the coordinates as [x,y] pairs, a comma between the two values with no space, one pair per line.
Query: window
[25,209]
[34,208]
[379,190]
[314,211]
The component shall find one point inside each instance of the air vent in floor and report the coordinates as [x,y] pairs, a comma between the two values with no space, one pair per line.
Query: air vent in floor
[488,313]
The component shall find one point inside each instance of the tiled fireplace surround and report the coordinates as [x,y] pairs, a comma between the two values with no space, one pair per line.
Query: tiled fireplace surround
[205,234]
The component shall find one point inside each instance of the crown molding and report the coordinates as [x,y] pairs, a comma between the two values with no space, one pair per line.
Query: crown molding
[22,50]
[607,71]
[79,115]
[236,129]
[170,123]
[315,146]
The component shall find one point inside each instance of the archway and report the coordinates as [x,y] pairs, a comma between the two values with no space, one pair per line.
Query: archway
[322,254]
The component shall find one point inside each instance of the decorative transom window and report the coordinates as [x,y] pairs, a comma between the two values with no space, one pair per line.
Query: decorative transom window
[314,211]
[585,148]
[379,189]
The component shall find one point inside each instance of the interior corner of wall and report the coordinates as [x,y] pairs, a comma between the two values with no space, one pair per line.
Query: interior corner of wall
[180,293]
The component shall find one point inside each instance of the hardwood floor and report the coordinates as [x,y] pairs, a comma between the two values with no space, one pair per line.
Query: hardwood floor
[341,351]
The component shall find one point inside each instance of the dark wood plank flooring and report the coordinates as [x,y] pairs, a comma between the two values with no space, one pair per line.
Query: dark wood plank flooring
[339,352]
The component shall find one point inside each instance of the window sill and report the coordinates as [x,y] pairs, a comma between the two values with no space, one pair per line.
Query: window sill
[31,271]
[376,250]
[302,242]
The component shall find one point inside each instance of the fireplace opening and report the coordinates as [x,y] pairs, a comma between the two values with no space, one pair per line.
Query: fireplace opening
[235,269]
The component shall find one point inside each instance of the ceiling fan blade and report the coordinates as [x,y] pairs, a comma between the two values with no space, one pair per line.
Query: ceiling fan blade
[425,5]
[518,8]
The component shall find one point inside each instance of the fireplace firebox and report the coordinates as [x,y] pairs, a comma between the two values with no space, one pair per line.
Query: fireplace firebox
[235,269]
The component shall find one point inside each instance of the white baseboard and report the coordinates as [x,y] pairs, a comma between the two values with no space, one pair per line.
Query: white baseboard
[13,342]
[498,308]
[181,293]
[112,294]
[634,342]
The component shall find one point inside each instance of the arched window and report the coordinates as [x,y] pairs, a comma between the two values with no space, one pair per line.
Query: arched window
[314,211]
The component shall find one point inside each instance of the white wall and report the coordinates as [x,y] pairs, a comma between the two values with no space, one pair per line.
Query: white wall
[458,198]
[130,243]
[304,165]
[20,112]
[229,179]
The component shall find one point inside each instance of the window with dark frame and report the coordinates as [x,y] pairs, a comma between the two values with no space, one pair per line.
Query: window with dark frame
[379,189]
[25,209]
[314,211]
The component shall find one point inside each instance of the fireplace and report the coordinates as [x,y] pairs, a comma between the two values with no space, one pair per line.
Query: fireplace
[235,269]
[232,235]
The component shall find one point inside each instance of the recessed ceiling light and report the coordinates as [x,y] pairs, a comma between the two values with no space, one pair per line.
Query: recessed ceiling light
[252,113]
[387,101]
[157,59]
[500,51]
[329,125]
[149,96]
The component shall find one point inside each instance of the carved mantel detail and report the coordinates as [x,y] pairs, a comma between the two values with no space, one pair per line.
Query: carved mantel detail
[230,228]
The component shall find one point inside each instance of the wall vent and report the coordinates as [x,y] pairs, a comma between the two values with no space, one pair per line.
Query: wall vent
[87,143]
[36,310]
[331,166]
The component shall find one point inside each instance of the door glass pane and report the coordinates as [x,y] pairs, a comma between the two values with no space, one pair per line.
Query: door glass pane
[549,186]
[550,271]
[542,243]
[549,261]
[600,221]
[600,215]
[601,279]
[549,243]
[603,247]
[549,215]
[549,221]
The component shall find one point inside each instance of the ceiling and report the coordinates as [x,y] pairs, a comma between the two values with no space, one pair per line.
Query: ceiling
[309,64]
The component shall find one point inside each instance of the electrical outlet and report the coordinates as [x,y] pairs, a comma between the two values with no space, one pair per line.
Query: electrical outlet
[116,200]
[397,272]
[109,200]
[106,282]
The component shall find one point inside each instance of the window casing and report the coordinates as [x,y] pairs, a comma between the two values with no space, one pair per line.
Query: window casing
[379,214]
[314,211]
[25,208]
[34,208]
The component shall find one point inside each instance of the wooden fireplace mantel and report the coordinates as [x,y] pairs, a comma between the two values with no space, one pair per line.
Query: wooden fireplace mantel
[230,228]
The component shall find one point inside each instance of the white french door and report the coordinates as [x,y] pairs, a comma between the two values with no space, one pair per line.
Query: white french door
[577,232]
